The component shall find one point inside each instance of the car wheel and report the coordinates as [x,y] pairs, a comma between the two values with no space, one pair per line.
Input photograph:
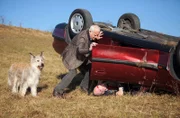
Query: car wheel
[178,54]
[80,19]
[129,21]
[104,25]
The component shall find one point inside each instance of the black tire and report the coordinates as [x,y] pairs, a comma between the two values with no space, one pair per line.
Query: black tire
[129,20]
[104,25]
[84,16]
[177,53]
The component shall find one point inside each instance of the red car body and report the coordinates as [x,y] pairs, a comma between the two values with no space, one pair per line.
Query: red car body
[126,64]
[124,59]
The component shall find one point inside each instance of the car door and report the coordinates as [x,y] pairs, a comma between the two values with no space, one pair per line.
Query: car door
[124,64]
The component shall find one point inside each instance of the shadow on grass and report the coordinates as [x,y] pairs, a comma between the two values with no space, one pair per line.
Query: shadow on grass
[39,88]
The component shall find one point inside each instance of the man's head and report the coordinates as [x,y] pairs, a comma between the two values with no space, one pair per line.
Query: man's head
[95,32]
[100,89]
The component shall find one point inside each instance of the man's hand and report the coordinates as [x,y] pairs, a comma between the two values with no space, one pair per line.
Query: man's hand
[100,35]
[91,45]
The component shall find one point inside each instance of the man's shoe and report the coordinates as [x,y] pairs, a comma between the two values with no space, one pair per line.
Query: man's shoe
[84,89]
[58,95]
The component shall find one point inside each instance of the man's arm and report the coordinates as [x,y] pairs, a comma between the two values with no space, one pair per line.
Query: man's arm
[81,47]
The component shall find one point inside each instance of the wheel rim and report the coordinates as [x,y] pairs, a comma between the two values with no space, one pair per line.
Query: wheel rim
[77,23]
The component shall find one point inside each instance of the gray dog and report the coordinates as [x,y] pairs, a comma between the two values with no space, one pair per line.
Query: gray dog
[24,75]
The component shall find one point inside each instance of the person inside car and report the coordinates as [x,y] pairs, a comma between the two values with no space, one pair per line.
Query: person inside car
[74,55]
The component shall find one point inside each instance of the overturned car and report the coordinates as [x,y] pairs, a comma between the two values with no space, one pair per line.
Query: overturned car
[127,54]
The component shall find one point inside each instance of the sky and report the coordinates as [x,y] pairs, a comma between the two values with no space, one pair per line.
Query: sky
[157,15]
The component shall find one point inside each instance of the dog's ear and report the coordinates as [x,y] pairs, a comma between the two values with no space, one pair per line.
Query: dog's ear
[32,55]
[42,54]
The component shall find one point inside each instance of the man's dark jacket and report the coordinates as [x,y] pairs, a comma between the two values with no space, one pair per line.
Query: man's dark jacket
[77,50]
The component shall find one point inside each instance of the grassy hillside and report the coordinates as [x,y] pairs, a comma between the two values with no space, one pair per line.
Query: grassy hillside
[15,45]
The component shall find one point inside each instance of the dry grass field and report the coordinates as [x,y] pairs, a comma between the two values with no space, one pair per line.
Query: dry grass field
[15,45]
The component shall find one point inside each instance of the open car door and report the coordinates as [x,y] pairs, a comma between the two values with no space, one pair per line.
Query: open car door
[124,64]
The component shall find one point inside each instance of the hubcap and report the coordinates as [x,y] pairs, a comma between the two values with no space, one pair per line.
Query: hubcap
[77,23]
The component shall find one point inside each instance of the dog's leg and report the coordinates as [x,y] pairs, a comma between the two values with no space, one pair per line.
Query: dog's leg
[23,89]
[9,81]
[14,86]
[34,90]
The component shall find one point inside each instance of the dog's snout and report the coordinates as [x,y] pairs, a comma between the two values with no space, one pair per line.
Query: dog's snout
[42,64]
